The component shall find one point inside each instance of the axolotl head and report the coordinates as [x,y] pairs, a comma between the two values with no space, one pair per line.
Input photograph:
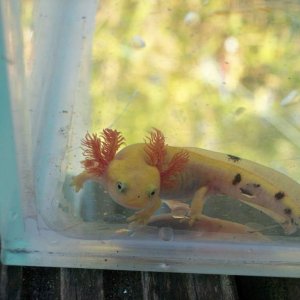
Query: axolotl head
[132,185]
[134,177]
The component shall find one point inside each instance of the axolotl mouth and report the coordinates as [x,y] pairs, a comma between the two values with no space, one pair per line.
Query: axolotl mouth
[133,203]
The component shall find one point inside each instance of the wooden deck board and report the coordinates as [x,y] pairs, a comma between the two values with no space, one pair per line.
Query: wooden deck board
[65,284]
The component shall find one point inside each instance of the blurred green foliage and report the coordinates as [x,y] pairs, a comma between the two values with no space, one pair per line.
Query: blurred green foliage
[221,75]
[212,74]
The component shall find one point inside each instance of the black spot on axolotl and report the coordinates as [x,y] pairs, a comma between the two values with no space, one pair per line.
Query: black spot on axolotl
[237,179]
[246,192]
[279,195]
[287,211]
[233,158]
[256,185]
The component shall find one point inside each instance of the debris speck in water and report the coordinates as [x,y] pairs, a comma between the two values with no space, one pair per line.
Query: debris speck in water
[138,42]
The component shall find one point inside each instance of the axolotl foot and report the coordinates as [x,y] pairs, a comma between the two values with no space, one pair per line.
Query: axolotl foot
[194,218]
[77,183]
[79,180]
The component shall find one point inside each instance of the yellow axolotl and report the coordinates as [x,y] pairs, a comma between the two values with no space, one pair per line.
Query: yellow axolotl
[140,175]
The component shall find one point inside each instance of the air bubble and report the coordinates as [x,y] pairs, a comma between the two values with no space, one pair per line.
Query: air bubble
[166,233]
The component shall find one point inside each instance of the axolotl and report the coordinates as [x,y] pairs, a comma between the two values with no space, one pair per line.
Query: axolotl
[140,175]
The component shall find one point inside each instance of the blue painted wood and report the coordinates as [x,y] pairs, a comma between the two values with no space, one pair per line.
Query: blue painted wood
[11,225]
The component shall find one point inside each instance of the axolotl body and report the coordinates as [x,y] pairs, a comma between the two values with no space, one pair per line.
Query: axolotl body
[140,175]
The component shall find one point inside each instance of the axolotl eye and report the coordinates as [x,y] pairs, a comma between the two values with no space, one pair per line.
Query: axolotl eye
[121,186]
[151,193]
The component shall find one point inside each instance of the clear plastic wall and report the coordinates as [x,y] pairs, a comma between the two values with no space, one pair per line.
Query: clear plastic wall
[212,75]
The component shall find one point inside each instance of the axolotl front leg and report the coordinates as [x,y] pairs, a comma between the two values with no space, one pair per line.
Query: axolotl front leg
[79,180]
[197,204]
[143,216]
